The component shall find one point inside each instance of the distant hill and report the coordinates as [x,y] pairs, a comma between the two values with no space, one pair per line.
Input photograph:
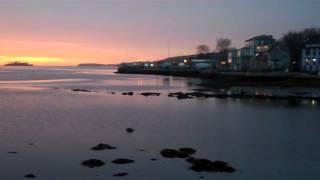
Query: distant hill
[95,65]
[17,63]
[195,56]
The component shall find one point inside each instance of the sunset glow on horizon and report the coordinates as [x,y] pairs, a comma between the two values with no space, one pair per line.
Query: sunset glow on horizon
[49,32]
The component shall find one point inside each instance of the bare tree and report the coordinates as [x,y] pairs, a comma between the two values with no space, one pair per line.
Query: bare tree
[223,44]
[203,49]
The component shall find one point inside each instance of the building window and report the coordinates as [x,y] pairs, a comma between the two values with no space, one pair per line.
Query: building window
[307,51]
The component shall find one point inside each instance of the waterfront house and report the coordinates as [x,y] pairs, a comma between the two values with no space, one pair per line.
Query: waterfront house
[239,59]
[261,53]
[311,58]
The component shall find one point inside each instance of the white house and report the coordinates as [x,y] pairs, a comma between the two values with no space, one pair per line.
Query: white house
[311,58]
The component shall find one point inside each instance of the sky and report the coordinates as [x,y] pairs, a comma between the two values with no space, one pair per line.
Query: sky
[68,32]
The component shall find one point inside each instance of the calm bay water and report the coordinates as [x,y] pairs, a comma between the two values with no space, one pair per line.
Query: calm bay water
[261,139]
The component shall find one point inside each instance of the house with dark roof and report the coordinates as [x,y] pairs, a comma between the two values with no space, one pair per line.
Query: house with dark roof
[261,53]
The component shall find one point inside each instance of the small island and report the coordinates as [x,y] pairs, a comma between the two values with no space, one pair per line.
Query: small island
[18,63]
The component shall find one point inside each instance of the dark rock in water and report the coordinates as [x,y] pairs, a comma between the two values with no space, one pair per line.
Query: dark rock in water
[184,97]
[123,161]
[141,150]
[188,150]
[190,160]
[150,94]
[201,177]
[180,154]
[128,93]
[130,130]
[200,165]
[221,96]
[112,92]
[153,159]
[30,176]
[12,152]
[175,94]
[172,153]
[81,90]
[168,153]
[92,163]
[180,95]
[199,94]
[120,174]
[101,147]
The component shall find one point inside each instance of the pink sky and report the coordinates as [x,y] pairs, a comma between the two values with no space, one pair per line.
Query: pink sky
[74,31]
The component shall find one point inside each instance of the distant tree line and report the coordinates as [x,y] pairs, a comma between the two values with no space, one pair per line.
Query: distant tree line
[222,46]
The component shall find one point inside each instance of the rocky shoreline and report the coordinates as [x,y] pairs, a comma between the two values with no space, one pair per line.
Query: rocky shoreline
[229,79]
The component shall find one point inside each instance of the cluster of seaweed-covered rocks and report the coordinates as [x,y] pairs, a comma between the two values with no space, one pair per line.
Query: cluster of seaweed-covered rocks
[198,164]
[187,153]
[199,94]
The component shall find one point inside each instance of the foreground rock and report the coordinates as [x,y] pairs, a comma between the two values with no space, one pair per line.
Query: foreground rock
[188,150]
[130,130]
[150,94]
[180,95]
[128,93]
[122,161]
[120,174]
[172,153]
[200,165]
[12,152]
[81,90]
[101,147]
[93,163]
[30,176]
